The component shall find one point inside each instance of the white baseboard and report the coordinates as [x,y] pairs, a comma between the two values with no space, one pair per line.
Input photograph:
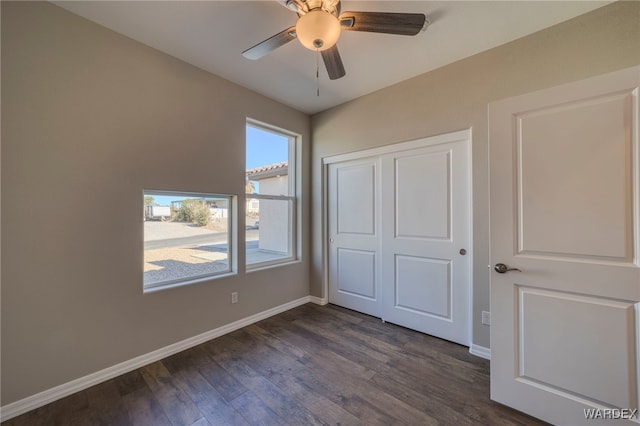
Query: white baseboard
[480,351]
[22,406]
[318,300]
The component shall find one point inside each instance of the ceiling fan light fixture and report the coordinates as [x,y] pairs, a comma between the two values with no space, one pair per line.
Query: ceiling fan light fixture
[318,30]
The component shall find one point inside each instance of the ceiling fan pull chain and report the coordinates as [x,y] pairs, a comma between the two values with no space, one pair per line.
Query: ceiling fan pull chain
[317,72]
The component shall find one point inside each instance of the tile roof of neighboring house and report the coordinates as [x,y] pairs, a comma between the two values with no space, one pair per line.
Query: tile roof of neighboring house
[265,172]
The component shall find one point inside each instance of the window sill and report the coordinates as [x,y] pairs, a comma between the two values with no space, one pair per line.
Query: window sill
[170,285]
[270,265]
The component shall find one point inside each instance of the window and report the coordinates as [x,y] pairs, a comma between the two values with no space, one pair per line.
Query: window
[187,238]
[271,209]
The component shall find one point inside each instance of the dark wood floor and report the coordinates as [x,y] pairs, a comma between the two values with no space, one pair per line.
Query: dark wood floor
[309,365]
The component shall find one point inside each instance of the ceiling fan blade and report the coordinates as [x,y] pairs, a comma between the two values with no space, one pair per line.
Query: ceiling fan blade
[270,44]
[383,22]
[333,62]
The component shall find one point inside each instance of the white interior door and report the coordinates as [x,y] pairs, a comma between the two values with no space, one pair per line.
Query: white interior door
[398,218]
[564,211]
[354,242]
[425,240]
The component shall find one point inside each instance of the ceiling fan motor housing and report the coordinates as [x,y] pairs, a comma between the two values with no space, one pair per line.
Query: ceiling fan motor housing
[302,7]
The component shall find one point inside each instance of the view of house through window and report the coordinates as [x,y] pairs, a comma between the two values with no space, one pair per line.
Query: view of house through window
[186,237]
[271,202]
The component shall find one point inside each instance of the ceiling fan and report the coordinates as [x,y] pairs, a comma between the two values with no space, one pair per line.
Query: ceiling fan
[320,23]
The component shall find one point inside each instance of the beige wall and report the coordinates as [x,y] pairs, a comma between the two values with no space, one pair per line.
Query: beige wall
[455,97]
[89,119]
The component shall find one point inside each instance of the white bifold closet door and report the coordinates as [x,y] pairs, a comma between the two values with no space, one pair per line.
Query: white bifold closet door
[398,229]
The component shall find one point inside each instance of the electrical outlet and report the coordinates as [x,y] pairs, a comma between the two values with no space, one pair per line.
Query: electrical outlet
[234,297]
[486,318]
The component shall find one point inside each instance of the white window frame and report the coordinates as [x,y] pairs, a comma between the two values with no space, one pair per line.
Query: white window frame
[232,233]
[293,198]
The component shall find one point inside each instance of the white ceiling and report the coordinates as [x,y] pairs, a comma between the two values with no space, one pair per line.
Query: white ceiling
[212,34]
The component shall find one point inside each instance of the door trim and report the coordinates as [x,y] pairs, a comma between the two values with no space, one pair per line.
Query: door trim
[456,136]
